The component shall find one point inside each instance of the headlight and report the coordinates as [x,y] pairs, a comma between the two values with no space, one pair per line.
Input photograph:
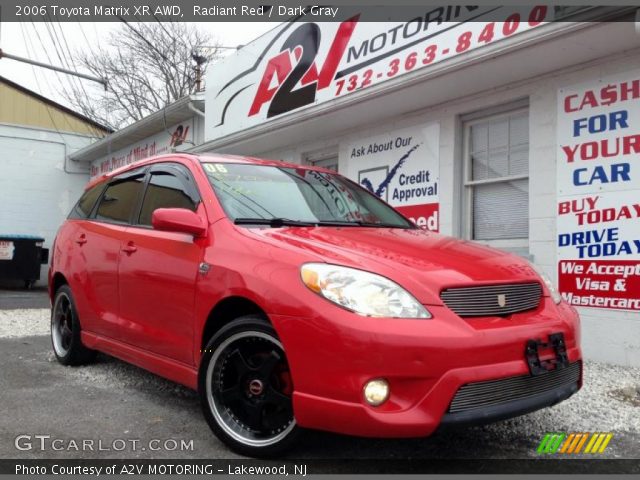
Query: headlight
[361,292]
[555,294]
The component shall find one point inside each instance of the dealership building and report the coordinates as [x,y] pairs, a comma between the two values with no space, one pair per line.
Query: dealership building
[523,135]
[506,128]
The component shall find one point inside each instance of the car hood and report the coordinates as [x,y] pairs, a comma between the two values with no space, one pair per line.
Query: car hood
[422,262]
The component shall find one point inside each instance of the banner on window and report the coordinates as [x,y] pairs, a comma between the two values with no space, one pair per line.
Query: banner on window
[402,168]
[161,143]
[599,193]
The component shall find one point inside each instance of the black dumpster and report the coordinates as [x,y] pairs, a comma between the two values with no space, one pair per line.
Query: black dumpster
[21,257]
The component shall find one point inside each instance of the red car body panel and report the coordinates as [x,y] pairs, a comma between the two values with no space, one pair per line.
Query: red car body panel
[141,297]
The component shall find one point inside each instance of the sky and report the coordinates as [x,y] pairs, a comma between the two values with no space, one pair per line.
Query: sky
[35,40]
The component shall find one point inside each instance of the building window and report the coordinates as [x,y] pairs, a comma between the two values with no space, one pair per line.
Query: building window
[330,163]
[496,180]
[326,159]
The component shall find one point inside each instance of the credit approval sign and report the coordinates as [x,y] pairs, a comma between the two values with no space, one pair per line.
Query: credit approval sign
[299,64]
[402,168]
[599,193]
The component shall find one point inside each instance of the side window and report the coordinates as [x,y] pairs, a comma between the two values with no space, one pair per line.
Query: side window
[87,201]
[165,190]
[119,199]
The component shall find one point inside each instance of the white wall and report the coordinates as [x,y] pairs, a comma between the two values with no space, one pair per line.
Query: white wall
[36,194]
[608,335]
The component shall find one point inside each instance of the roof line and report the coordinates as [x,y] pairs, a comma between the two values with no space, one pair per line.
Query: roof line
[89,153]
[54,104]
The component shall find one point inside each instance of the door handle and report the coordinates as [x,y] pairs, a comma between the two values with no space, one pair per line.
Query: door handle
[130,248]
[82,239]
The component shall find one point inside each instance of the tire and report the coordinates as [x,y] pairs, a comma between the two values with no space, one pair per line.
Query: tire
[245,389]
[65,331]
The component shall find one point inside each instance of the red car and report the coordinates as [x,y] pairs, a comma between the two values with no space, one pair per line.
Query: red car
[290,298]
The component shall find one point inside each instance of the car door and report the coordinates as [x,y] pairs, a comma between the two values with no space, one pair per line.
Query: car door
[158,270]
[98,241]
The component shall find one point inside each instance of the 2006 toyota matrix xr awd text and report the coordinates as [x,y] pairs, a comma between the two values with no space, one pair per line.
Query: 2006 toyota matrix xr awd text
[292,298]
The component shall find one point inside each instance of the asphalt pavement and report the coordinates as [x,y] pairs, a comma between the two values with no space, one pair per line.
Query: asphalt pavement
[112,400]
[14,297]
[113,404]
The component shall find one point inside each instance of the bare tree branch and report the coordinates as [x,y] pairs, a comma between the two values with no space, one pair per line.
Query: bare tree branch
[147,65]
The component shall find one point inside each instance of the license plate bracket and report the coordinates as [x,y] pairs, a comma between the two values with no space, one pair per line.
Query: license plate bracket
[538,366]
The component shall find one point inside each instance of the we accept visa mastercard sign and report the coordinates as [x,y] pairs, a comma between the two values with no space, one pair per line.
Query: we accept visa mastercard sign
[598,167]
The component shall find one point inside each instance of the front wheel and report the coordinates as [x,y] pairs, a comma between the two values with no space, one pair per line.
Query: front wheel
[246,390]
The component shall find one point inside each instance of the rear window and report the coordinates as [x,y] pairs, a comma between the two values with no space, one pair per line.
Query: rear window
[119,200]
[87,201]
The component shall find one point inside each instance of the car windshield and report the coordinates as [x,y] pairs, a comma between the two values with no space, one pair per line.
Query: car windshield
[278,196]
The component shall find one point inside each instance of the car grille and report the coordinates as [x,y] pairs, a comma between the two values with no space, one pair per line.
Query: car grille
[492,300]
[494,392]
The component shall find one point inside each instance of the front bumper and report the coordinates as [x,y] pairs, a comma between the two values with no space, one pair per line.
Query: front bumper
[334,354]
[520,403]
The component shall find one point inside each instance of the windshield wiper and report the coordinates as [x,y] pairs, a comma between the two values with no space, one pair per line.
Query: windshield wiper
[358,223]
[276,222]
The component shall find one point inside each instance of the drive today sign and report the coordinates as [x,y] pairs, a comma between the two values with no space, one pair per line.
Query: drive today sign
[300,64]
[599,193]
[401,167]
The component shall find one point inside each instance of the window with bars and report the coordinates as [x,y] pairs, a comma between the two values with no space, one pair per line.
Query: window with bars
[496,179]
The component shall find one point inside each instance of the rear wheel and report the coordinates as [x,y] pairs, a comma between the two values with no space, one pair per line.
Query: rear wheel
[65,331]
[246,390]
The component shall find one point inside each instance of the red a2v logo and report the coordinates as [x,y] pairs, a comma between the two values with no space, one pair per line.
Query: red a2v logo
[303,43]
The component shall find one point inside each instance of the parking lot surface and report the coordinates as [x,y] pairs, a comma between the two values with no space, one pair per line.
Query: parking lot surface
[112,400]
[12,297]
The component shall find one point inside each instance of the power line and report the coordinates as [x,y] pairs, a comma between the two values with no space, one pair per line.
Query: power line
[70,62]
[35,76]
[47,106]
[142,37]
[55,41]
[83,34]
[68,71]
[46,52]
[93,129]
[71,65]
[28,42]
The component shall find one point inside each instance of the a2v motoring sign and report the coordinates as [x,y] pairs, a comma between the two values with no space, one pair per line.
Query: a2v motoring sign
[599,193]
[300,64]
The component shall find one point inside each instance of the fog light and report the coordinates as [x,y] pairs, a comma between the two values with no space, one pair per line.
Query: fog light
[376,392]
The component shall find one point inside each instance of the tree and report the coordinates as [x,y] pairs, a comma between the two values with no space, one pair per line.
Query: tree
[147,66]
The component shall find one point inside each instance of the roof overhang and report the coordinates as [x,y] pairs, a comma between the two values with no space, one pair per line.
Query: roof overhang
[177,112]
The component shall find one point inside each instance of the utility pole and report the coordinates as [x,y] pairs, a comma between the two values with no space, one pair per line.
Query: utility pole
[200,60]
[3,54]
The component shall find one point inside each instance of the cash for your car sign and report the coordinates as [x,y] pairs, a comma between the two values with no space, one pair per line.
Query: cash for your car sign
[599,193]
[400,167]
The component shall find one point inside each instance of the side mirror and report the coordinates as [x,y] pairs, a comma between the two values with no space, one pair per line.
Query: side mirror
[179,220]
